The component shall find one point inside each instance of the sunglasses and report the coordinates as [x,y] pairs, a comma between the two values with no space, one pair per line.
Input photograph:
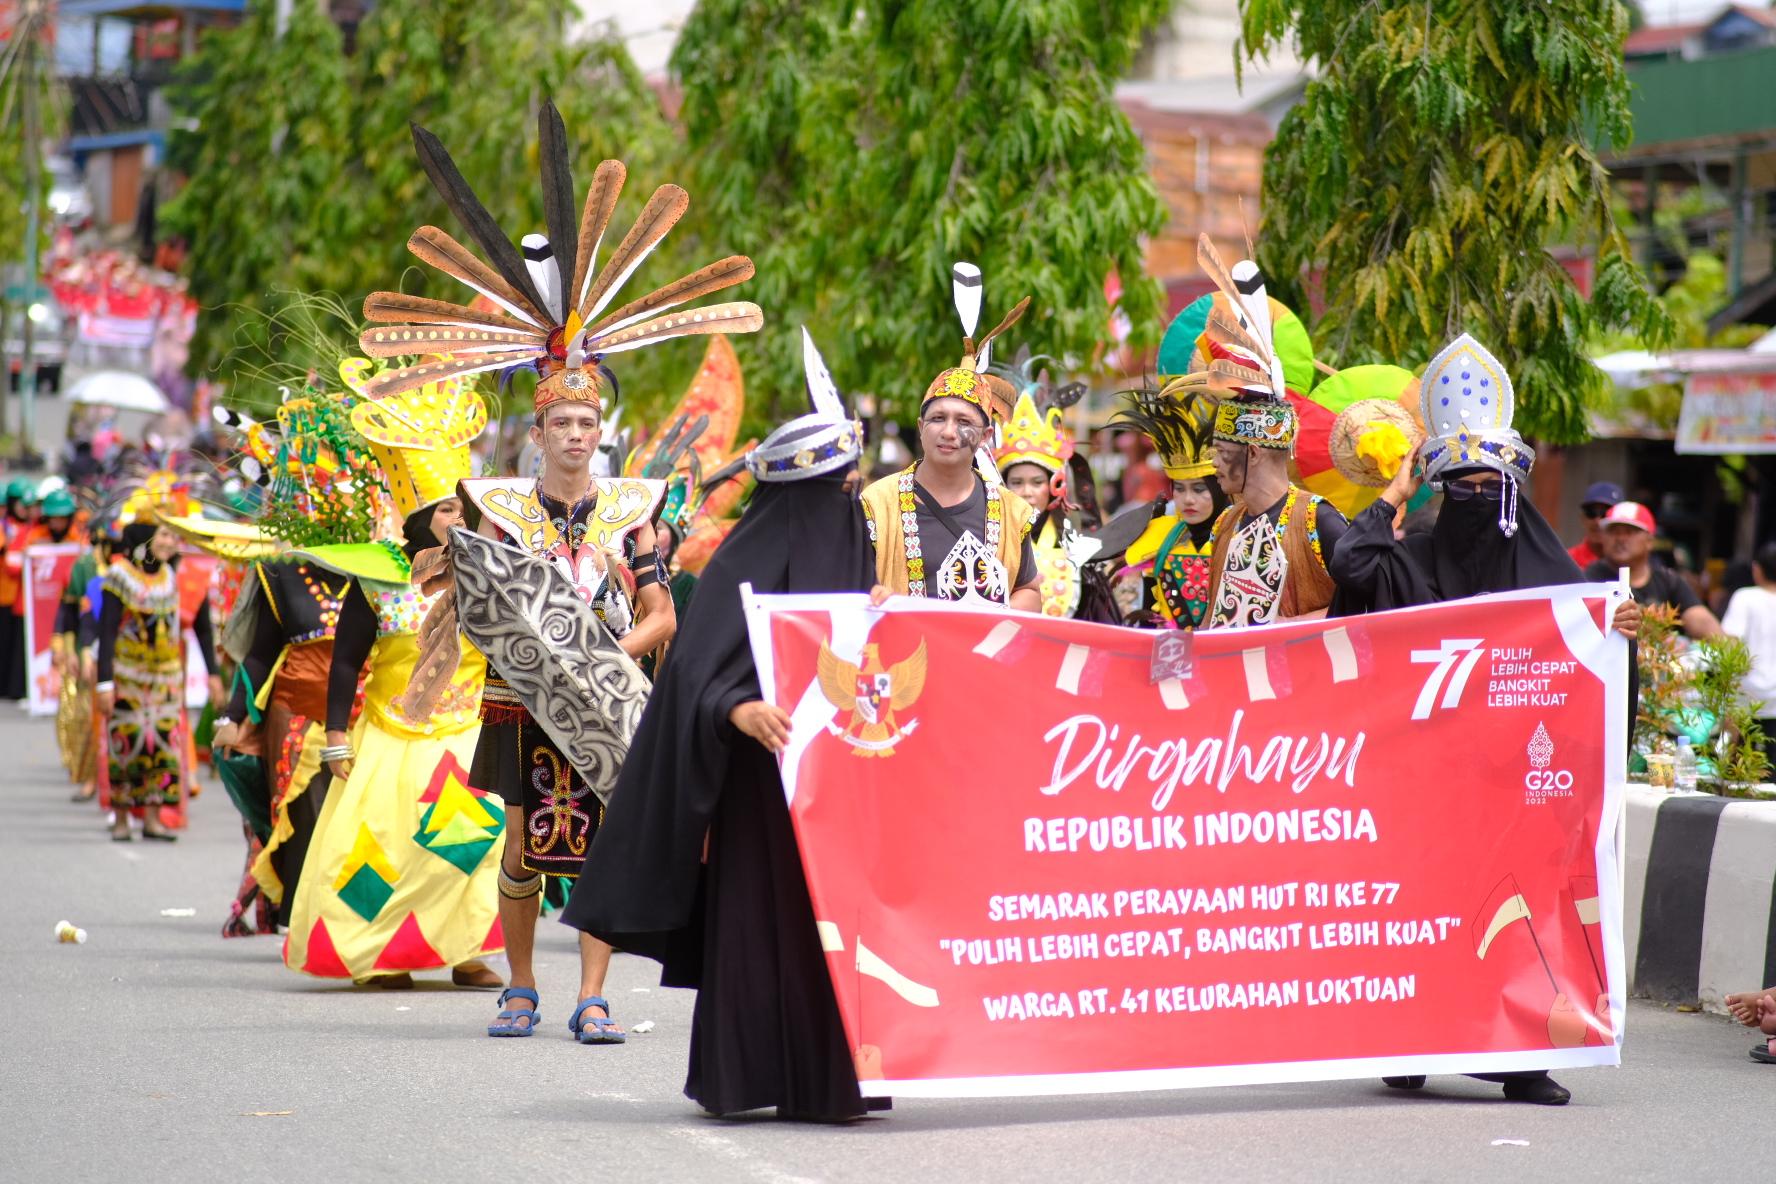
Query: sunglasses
[1461,491]
[1594,510]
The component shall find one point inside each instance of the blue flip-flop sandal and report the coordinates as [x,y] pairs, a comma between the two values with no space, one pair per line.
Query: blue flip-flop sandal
[507,1024]
[595,1029]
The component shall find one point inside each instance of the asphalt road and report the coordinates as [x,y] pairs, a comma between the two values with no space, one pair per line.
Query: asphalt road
[158,1051]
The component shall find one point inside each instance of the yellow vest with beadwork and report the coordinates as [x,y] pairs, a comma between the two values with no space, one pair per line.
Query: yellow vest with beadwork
[882,509]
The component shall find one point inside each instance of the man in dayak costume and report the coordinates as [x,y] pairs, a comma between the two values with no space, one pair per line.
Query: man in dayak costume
[596,533]
[1270,548]
[940,528]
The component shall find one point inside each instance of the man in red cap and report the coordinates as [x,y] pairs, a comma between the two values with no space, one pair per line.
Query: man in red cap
[1628,530]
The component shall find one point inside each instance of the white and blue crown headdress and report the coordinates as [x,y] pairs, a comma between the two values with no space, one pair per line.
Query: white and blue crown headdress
[825,440]
[1467,402]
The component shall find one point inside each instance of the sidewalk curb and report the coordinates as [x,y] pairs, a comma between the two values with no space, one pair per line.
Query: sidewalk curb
[1699,910]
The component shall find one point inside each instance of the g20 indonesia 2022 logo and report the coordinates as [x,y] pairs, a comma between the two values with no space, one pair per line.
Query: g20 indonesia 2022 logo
[1543,781]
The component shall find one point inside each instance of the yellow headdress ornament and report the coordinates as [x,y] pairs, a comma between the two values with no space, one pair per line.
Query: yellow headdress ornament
[162,494]
[1033,438]
[420,437]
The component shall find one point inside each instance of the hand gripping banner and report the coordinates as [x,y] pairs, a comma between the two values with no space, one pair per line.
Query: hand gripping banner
[1045,858]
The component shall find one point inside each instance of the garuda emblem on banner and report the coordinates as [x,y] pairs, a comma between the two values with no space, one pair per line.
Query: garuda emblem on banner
[873,695]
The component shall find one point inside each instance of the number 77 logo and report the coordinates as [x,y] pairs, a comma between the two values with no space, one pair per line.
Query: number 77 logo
[1462,655]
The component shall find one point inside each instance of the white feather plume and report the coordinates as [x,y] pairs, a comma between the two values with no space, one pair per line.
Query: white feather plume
[539,261]
[965,286]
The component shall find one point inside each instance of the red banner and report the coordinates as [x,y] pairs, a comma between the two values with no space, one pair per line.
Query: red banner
[45,573]
[1381,845]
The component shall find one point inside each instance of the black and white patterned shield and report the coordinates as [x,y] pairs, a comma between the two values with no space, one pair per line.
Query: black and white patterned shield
[545,641]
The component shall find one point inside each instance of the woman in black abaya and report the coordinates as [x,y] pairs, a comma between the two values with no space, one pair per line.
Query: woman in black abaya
[737,926]
[1485,540]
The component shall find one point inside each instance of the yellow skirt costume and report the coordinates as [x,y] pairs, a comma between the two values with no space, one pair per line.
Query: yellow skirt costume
[401,872]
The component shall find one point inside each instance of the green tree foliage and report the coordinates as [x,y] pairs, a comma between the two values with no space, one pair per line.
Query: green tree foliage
[327,204]
[27,60]
[273,121]
[1443,148]
[856,151]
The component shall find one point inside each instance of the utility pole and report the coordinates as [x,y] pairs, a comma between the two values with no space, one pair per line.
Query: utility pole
[33,197]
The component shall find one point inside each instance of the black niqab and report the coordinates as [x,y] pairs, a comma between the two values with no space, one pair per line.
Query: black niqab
[639,884]
[1471,556]
[1464,554]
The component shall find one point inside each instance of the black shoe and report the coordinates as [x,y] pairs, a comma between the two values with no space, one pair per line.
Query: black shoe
[1416,1082]
[1543,1091]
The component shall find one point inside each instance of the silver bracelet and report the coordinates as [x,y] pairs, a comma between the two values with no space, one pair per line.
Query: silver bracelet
[337,752]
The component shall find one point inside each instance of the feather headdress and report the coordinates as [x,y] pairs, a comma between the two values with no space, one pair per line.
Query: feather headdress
[1243,360]
[969,380]
[551,297]
[1179,421]
[1034,433]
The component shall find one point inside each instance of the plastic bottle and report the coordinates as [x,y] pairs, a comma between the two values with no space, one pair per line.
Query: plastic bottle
[1683,774]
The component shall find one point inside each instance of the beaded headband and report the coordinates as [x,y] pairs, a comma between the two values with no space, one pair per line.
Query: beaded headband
[1266,423]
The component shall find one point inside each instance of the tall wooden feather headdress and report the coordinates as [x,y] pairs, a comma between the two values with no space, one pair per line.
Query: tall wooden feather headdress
[1244,369]
[551,298]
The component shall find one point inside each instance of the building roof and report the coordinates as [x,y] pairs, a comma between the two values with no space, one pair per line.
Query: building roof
[1222,94]
[1723,99]
[1222,126]
[147,9]
[1654,39]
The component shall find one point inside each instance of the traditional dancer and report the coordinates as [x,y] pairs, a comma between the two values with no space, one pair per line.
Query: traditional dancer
[596,532]
[1033,463]
[400,874]
[943,504]
[696,864]
[281,636]
[1270,547]
[1171,558]
[141,676]
[76,635]
[1485,540]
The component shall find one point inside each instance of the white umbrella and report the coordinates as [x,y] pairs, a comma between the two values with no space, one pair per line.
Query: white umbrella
[118,388]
